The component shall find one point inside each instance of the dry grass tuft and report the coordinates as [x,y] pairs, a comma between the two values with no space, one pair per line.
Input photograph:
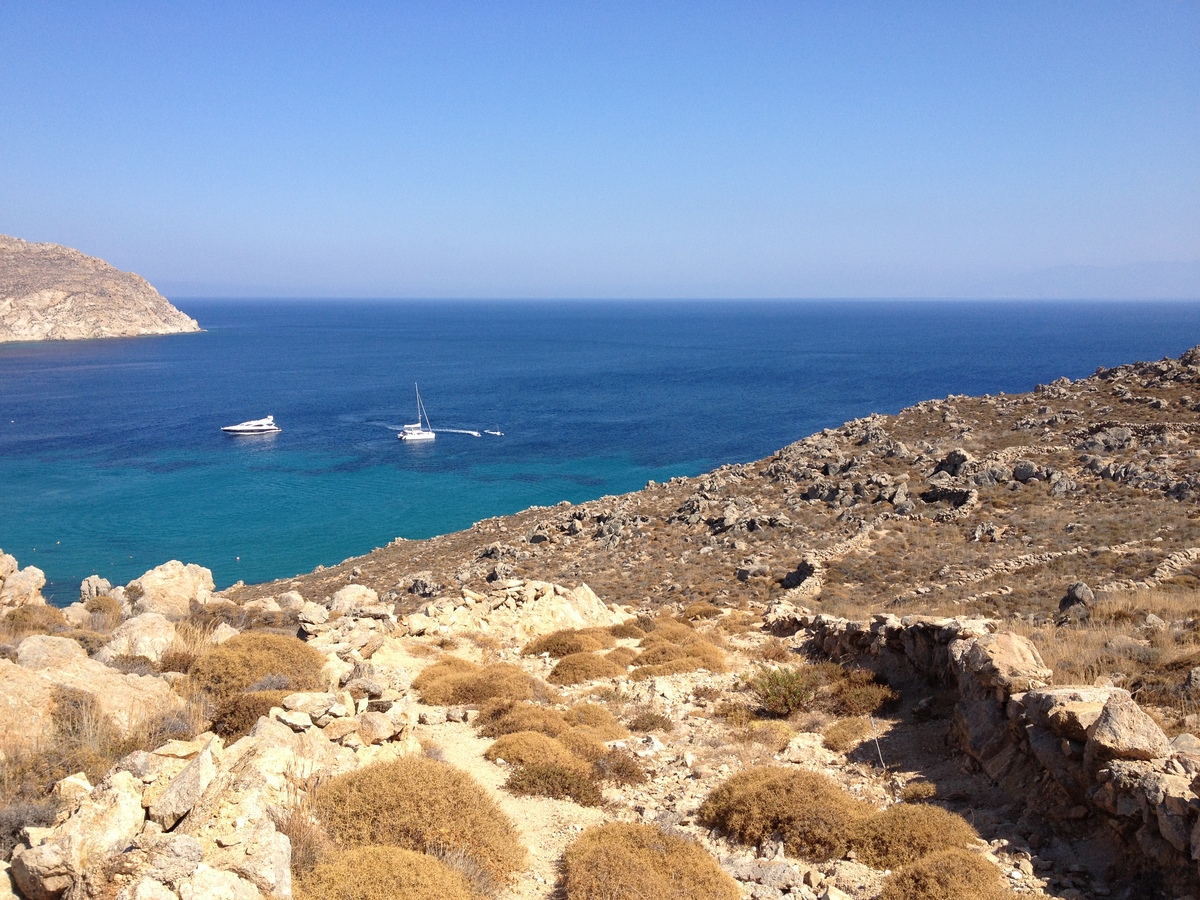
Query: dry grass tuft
[626,630]
[948,875]
[570,640]
[382,873]
[816,817]
[245,659]
[905,833]
[618,860]
[699,611]
[580,667]
[646,719]
[420,803]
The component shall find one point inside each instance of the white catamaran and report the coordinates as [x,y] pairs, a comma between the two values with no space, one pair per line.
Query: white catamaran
[420,430]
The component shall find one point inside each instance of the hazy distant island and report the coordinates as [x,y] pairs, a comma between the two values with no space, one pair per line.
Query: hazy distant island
[53,293]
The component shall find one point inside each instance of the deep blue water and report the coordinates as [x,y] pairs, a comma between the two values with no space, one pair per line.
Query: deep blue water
[112,459]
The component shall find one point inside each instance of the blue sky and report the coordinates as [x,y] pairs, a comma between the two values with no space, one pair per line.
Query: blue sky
[740,149]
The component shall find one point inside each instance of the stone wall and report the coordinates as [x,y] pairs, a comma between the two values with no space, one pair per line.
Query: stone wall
[1081,754]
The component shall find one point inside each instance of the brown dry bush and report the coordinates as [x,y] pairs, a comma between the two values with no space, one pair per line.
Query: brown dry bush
[497,717]
[245,659]
[619,767]
[948,875]
[697,611]
[773,650]
[580,667]
[420,804]
[525,748]
[619,861]
[453,681]
[774,735]
[622,656]
[556,782]
[626,630]
[645,718]
[816,817]
[23,621]
[859,694]
[918,791]
[846,734]
[382,873]
[597,718]
[105,612]
[570,640]
[905,833]
[584,742]
[238,713]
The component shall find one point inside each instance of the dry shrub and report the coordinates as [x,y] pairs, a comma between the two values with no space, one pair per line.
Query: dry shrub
[773,650]
[620,860]
[237,714]
[382,873]
[16,817]
[580,667]
[619,767]
[570,640]
[645,718]
[905,833]
[816,817]
[89,640]
[773,735]
[783,690]
[626,630]
[948,875]
[846,734]
[310,843]
[192,641]
[556,782]
[23,621]
[918,791]
[622,656]
[736,715]
[526,748]
[584,742]
[498,717]
[597,718]
[420,803]
[859,694]
[248,658]
[133,665]
[697,611]
[453,681]
[105,611]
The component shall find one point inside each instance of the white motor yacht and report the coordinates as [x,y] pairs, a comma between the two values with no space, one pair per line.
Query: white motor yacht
[254,426]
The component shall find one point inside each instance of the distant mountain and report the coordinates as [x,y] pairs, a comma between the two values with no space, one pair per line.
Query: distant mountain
[1133,281]
[53,293]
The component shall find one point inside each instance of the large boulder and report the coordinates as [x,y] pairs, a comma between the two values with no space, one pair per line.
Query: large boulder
[93,586]
[23,587]
[352,598]
[1124,731]
[149,635]
[170,589]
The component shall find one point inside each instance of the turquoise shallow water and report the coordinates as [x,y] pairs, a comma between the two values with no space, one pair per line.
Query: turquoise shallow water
[112,459]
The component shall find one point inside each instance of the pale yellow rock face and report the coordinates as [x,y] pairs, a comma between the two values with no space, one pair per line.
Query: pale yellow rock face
[53,293]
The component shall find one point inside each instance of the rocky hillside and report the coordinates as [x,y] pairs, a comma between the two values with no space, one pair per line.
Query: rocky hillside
[53,293]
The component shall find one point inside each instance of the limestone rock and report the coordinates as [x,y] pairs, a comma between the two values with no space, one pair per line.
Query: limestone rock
[1123,731]
[352,597]
[104,824]
[149,635]
[170,589]
[207,883]
[1006,661]
[185,790]
[94,586]
[53,293]
[23,587]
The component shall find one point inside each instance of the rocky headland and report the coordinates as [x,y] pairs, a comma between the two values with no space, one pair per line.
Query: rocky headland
[53,293]
[951,653]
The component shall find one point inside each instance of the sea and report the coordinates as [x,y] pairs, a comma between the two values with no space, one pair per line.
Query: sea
[112,458]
